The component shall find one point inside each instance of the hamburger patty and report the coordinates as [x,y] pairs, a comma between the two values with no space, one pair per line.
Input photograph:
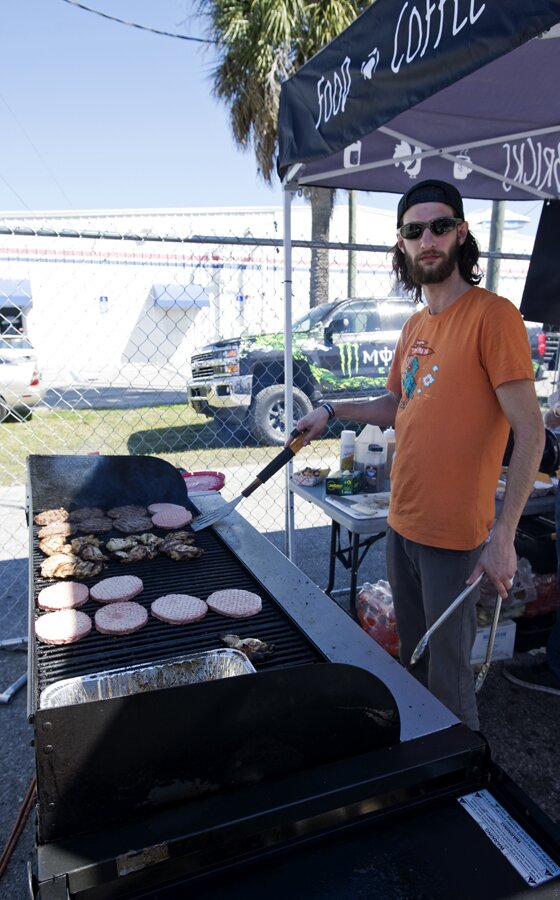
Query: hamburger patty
[179,609]
[63,595]
[94,525]
[120,618]
[234,602]
[129,509]
[172,518]
[117,589]
[85,512]
[63,627]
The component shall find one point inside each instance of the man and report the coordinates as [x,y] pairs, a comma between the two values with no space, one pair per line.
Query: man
[460,378]
[543,674]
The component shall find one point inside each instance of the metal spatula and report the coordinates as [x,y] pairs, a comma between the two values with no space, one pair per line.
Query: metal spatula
[274,466]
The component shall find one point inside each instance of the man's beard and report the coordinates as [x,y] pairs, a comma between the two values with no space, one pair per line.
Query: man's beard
[436,273]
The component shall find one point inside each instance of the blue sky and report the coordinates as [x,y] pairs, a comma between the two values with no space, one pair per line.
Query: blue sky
[97,115]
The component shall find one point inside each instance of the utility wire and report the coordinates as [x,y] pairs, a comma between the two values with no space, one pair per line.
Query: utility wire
[97,12]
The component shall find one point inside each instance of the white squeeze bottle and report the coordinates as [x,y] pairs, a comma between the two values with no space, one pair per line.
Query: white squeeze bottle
[347,445]
[370,434]
[390,448]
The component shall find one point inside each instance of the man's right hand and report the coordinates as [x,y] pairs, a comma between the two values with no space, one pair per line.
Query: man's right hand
[313,425]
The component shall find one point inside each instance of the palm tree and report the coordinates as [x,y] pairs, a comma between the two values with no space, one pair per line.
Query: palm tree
[260,43]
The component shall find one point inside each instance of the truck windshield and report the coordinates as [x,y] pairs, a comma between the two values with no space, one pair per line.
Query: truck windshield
[312,317]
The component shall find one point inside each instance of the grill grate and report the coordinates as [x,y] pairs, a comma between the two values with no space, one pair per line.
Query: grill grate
[219,568]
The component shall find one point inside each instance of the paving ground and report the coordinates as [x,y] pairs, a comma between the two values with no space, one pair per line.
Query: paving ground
[523,727]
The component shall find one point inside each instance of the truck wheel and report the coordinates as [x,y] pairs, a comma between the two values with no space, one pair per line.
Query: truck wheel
[268,421]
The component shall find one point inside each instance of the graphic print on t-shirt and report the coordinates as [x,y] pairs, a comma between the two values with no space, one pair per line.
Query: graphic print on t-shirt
[410,375]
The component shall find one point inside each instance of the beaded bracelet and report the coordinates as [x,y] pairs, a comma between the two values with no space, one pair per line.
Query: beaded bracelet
[330,410]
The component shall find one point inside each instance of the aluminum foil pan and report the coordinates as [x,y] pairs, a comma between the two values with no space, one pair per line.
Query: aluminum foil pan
[174,672]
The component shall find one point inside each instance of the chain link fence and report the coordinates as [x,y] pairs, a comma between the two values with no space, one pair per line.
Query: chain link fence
[113,317]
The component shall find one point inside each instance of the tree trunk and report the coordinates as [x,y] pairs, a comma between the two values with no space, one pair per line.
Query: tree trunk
[322,202]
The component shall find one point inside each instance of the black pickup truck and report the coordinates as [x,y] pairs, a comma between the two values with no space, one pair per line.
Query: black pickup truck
[344,347]
[340,347]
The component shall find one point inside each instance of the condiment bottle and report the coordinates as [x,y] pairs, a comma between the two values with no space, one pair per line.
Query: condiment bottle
[347,444]
[370,434]
[374,479]
[390,448]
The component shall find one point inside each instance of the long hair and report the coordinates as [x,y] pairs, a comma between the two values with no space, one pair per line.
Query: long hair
[467,261]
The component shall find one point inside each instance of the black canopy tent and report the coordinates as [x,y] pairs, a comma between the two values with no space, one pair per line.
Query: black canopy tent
[460,90]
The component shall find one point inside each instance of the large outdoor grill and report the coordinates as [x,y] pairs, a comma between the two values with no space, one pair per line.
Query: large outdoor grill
[178,787]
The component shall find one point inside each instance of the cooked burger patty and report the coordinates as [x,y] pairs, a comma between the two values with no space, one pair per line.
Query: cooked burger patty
[119,512]
[95,525]
[179,609]
[235,603]
[64,595]
[117,589]
[85,512]
[129,523]
[120,618]
[63,627]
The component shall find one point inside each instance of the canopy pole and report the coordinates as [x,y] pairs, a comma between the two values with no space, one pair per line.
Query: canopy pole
[289,547]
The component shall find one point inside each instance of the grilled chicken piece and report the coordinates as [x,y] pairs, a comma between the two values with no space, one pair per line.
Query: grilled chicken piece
[180,549]
[254,648]
[185,537]
[56,543]
[135,554]
[134,548]
[66,565]
[116,545]
[51,515]
[88,549]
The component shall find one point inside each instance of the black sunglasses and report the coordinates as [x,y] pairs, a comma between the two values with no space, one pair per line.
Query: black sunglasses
[442,225]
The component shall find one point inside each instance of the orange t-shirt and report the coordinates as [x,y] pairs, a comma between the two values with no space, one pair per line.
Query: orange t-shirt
[450,430]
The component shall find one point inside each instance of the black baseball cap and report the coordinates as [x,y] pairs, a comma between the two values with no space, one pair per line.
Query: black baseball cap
[430,192]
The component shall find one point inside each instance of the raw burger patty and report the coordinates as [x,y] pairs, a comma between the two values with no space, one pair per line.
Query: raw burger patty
[120,618]
[117,589]
[164,507]
[235,603]
[179,609]
[51,515]
[63,627]
[172,518]
[64,595]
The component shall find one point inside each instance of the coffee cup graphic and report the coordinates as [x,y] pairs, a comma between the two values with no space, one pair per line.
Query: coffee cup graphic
[461,166]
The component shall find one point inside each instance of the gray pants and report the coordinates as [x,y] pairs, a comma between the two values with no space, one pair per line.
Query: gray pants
[424,581]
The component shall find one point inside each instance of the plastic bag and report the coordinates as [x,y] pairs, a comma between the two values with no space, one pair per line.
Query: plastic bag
[522,592]
[376,615]
[547,596]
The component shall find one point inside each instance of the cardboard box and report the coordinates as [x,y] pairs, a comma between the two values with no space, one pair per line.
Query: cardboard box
[341,483]
[504,643]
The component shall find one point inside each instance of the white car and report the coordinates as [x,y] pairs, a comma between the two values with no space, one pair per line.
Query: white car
[20,380]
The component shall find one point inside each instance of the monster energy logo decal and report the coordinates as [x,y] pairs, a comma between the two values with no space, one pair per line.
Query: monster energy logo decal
[350,358]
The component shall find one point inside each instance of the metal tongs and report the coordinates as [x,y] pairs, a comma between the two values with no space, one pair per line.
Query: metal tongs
[423,642]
